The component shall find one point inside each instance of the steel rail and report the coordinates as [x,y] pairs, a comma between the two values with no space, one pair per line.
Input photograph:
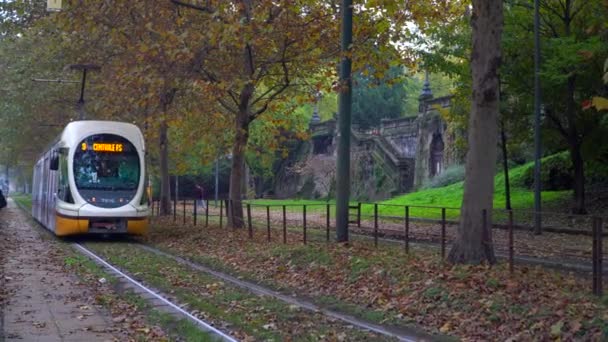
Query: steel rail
[393,332]
[204,325]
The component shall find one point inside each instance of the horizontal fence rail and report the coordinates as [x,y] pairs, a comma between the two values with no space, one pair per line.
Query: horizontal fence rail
[568,241]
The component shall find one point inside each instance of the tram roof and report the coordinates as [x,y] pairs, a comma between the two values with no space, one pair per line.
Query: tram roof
[75,131]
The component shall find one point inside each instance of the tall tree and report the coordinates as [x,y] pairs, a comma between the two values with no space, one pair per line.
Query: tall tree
[256,54]
[375,99]
[474,240]
[144,53]
[573,55]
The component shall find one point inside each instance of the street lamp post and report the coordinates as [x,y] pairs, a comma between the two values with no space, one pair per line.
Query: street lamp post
[344,123]
[537,109]
[84,68]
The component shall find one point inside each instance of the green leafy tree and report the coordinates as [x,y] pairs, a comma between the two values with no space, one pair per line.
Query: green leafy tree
[375,99]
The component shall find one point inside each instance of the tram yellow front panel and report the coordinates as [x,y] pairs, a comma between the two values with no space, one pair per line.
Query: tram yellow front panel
[137,226]
[68,225]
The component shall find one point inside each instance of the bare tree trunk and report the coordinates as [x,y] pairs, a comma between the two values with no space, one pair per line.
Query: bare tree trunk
[235,211]
[165,187]
[574,140]
[474,240]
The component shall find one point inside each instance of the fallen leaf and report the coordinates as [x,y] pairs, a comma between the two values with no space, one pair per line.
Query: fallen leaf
[556,329]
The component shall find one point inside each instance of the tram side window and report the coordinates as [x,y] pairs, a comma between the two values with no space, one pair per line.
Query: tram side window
[63,192]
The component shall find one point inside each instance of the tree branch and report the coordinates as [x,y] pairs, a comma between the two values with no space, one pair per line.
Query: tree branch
[556,122]
[193,6]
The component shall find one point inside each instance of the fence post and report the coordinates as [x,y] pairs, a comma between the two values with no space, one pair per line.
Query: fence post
[442,233]
[250,227]
[152,207]
[207,214]
[359,215]
[174,210]
[268,223]
[284,224]
[594,256]
[600,256]
[221,212]
[597,256]
[327,222]
[484,225]
[194,212]
[406,237]
[511,249]
[226,208]
[230,212]
[304,220]
[184,211]
[376,224]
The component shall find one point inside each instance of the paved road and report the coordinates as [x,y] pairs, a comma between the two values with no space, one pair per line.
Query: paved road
[39,300]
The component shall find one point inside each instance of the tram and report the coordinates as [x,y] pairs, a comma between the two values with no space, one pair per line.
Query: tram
[92,181]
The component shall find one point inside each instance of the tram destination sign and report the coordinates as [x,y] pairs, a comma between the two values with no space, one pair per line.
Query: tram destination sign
[103,147]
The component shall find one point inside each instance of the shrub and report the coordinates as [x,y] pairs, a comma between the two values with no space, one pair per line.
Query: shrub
[450,175]
[556,173]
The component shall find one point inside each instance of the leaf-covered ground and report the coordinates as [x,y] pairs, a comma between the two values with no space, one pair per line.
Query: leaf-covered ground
[244,315]
[388,286]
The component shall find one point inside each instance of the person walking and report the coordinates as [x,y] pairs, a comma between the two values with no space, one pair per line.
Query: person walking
[201,195]
[2,200]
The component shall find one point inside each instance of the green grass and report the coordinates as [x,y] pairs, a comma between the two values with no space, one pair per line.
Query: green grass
[426,203]
[24,200]
[177,328]
[450,196]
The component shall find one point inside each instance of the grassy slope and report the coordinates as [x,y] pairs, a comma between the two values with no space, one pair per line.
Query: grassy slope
[451,197]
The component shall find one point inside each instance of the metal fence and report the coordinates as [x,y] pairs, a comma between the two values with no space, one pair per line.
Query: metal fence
[571,242]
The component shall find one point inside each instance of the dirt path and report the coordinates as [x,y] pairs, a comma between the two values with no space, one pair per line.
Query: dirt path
[39,300]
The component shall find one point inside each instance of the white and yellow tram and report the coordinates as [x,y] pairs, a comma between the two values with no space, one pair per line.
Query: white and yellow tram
[92,180]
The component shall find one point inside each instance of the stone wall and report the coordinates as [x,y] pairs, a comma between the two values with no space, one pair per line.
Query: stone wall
[398,156]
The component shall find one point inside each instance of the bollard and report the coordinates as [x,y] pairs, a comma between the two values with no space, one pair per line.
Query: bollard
[442,233]
[284,225]
[511,249]
[304,219]
[359,215]
[194,213]
[406,235]
[268,223]
[327,223]
[376,224]
[249,221]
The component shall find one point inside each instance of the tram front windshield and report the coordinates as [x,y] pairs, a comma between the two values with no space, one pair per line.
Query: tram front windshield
[106,170]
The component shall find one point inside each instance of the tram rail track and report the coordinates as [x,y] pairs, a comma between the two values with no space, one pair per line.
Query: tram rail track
[397,333]
[171,306]
[204,326]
